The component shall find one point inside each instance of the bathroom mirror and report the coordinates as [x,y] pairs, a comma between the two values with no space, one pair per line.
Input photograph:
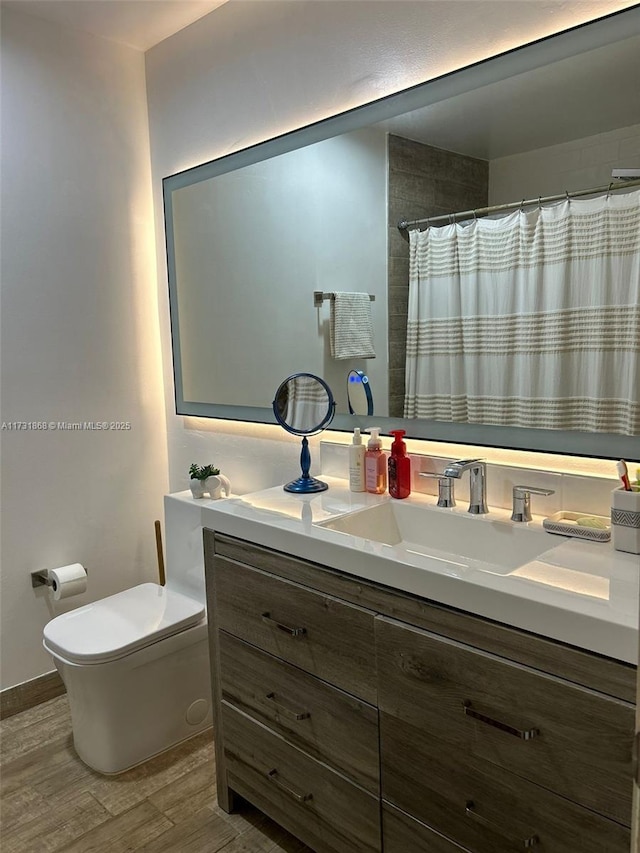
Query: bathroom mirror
[304,405]
[359,393]
[313,203]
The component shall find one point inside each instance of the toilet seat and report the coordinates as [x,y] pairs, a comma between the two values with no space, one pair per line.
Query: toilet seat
[121,624]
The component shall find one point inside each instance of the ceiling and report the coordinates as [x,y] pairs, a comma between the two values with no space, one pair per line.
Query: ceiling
[137,23]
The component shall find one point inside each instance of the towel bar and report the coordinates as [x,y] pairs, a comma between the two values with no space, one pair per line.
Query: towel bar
[319,297]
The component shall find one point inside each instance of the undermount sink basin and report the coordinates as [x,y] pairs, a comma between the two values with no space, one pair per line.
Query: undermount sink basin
[451,537]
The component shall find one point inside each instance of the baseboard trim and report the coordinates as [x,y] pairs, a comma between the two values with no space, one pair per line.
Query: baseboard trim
[13,700]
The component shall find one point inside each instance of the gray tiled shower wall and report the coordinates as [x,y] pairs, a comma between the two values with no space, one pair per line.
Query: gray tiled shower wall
[423,181]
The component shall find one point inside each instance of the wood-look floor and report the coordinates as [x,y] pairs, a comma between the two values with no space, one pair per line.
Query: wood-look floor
[50,801]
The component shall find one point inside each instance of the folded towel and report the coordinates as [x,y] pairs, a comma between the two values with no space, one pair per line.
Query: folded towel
[351,327]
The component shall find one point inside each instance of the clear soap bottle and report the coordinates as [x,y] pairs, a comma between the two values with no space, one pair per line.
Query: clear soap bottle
[375,465]
[356,463]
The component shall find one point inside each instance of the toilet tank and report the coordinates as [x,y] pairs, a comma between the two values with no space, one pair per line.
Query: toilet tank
[184,556]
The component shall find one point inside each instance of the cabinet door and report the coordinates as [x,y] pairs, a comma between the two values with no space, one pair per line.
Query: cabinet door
[569,739]
[331,725]
[318,633]
[481,806]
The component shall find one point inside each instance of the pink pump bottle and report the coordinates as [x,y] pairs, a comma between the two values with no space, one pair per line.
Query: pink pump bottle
[399,467]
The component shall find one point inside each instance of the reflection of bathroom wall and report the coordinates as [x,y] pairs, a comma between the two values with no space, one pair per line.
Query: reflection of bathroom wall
[423,181]
[575,165]
[254,244]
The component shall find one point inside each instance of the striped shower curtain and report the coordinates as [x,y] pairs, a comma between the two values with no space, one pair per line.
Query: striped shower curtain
[303,403]
[531,320]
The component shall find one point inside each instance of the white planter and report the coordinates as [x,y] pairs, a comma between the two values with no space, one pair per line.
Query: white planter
[197,487]
[217,484]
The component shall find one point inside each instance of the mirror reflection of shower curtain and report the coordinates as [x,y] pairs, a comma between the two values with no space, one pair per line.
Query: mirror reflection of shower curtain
[306,404]
[531,320]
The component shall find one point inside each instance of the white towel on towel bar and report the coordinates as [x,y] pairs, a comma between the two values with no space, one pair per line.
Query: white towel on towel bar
[351,326]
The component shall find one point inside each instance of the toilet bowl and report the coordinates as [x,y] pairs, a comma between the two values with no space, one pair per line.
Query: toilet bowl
[136,664]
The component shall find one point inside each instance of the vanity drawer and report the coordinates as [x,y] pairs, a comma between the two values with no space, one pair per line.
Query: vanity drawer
[319,806]
[481,806]
[316,632]
[404,834]
[566,738]
[324,721]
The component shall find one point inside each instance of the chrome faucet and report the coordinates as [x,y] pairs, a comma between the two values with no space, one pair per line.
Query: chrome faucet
[522,501]
[477,482]
[446,496]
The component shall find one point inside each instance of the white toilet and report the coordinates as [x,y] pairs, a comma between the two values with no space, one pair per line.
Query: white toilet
[136,664]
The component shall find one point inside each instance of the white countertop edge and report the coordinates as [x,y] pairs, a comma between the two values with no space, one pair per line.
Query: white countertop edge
[571,618]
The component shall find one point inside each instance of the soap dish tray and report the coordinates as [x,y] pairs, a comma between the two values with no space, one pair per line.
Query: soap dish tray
[564,523]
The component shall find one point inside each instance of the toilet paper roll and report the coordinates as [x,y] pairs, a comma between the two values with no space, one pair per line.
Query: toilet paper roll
[67,581]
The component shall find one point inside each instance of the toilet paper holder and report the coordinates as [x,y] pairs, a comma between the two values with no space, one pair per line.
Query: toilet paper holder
[42,578]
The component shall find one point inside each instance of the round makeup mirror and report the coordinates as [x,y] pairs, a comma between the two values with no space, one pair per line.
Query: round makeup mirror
[359,393]
[304,405]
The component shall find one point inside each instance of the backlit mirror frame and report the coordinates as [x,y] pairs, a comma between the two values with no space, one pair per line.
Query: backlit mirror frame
[534,55]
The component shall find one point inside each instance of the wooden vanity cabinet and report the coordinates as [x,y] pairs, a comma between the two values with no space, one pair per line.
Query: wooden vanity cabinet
[296,721]
[365,719]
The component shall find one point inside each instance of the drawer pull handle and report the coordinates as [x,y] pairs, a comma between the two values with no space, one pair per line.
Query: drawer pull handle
[470,811]
[293,632]
[526,734]
[293,714]
[301,798]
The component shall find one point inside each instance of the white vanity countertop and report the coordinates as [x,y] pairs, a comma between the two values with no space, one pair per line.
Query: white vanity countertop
[579,592]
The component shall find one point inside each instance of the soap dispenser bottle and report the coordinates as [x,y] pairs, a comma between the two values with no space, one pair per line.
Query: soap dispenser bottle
[399,467]
[375,465]
[356,463]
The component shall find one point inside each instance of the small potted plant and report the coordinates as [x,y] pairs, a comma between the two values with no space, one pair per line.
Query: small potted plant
[198,476]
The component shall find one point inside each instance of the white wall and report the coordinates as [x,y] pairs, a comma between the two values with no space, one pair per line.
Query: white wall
[576,165]
[252,70]
[79,326]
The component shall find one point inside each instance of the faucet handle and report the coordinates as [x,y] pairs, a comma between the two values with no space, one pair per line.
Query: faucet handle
[522,501]
[446,496]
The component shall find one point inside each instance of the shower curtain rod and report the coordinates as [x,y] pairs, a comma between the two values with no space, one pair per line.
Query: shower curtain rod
[404,225]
